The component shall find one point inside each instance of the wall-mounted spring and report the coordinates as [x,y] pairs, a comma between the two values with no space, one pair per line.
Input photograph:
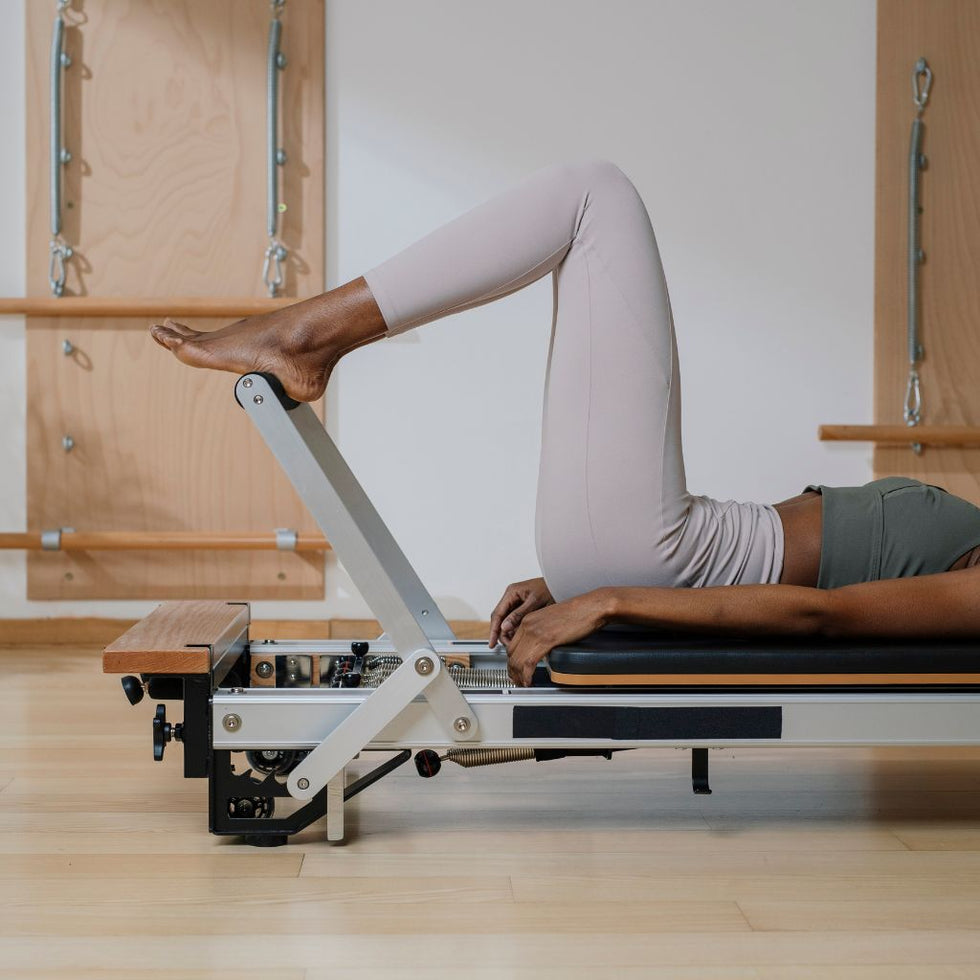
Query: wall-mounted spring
[469,758]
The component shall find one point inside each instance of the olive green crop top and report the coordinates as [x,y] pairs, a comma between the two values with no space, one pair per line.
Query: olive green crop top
[892,528]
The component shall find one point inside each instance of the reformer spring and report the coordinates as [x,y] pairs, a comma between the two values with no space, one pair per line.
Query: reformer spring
[470,758]
[379,669]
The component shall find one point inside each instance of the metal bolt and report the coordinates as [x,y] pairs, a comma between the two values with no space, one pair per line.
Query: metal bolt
[281,157]
[67,348]
[65,60]
[462,725]
[65,155]
[231,723]
[281,61]
[303,783]
[424,666]
[67,443]
[264,669]
[258,399]
[425,612]
[247,383]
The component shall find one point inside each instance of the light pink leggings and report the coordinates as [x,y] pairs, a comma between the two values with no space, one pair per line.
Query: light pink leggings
[613,506]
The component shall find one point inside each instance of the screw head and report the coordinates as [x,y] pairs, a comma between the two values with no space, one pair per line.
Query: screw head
[258,399]
[231,723]
[67,443]
[462,725]
[264,669]
[303,783]
[247,383]
[424,666]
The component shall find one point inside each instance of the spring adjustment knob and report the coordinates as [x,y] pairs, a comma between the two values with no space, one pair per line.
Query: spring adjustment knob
[164,732]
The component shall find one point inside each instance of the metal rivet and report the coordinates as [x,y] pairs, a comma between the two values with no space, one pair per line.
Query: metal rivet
[247,383]
[67,443]
[258,399]
[303,783]
[462,725]
[231,723]
[67,348]
[66,156]
[281,157]
[424,666]
[264,669]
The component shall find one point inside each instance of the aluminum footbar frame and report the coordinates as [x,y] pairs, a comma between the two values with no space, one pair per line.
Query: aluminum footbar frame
[378,568]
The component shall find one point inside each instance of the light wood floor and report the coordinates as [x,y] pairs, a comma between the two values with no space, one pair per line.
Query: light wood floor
[803,865]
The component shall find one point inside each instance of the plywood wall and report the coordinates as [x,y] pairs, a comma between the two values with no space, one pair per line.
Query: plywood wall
[946,33]
[165,196]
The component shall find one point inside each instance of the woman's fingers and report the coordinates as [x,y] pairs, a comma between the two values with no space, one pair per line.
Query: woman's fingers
[507,602]
[513,620]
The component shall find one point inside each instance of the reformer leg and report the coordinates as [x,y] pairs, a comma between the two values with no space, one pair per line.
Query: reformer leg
[335,807]
[699,772]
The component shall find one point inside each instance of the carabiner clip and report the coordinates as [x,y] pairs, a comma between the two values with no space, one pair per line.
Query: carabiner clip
[920,94]
[913,400]
[272,275]
[60,253]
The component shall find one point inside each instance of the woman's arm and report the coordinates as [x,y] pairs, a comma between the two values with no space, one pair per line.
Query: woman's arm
[946,605]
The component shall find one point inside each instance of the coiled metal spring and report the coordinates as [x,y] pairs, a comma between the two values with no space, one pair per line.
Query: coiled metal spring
[469,758]
[379,669]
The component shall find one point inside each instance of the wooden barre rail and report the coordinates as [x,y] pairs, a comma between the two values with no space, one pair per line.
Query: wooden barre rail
[132,306]
[160,541]
[924,435]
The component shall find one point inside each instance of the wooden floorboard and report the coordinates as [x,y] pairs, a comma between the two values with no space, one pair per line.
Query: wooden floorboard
[803,865]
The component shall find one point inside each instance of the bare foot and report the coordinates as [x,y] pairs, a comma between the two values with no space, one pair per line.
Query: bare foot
[299,344]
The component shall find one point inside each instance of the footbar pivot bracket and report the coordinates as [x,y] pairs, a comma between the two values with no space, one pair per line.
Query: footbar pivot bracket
[422,674]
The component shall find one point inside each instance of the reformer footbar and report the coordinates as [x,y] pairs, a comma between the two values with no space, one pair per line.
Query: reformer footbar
[300,711]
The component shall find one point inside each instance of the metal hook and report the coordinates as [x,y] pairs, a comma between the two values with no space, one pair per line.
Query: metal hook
[913,399]
[60,254]
[920,95]
[272,274]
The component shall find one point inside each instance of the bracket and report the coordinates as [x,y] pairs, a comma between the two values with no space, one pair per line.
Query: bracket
[421,674]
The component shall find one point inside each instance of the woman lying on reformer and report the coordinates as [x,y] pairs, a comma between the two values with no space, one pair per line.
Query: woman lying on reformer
[619,537]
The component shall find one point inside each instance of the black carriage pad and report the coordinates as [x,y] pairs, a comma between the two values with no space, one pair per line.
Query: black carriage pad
[630,658]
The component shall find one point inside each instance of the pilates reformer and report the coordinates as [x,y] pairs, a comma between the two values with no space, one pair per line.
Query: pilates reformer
[274,724]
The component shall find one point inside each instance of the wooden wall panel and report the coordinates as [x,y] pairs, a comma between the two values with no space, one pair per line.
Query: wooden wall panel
[158,447]
[946,33]
[165,119]
[164,113]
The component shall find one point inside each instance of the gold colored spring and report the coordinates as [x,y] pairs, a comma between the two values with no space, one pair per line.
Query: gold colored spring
[468,758]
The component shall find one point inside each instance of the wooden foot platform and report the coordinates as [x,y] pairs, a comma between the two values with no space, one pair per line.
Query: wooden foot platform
[178,638]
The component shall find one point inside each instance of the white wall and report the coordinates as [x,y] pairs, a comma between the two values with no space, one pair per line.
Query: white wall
[749,130]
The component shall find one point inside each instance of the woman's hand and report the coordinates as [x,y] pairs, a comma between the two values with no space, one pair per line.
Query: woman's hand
[544,629]
[517,601]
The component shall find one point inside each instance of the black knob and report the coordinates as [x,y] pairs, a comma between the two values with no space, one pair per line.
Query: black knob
[428,763]
[359,648]
[164,732]
[350,679]
[132,688]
